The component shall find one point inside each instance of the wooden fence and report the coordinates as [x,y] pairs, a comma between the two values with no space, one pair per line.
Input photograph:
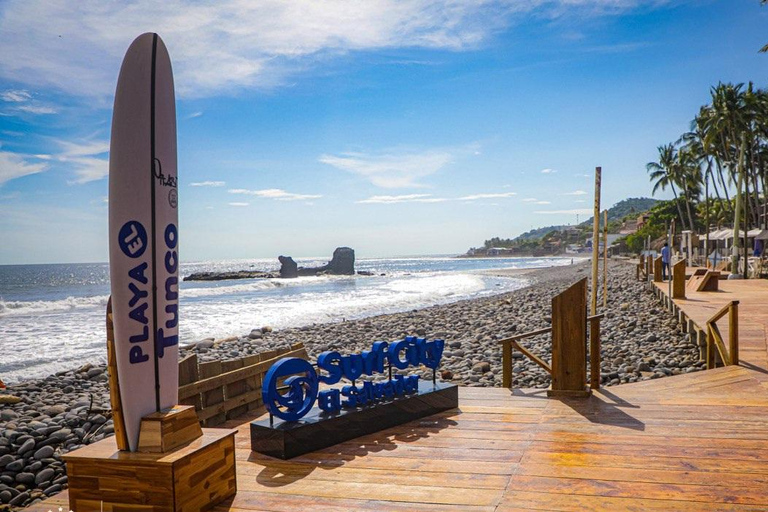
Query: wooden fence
[222,390]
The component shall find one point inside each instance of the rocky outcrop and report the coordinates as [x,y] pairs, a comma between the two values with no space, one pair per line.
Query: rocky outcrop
[222,276]
[288,267]
[342,264]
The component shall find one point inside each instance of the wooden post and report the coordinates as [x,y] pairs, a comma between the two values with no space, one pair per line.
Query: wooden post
[506,365]
[733,331]
[569,343]
[121,438]
[678,280]
[594,354]
[657,270]
[605,259]
[595,239]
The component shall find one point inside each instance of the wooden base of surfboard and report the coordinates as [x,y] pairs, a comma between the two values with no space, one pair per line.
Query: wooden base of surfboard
[164,431]
[194,476]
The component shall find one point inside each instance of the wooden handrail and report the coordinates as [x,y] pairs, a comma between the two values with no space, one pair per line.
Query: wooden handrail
[506,354]
[517,337]
[533,357]
[725,309]
[512,342]
[715,340]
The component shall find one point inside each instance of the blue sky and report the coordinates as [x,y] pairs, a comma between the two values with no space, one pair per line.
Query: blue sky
[394,127]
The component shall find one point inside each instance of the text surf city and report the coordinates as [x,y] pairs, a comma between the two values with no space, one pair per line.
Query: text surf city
[300,388]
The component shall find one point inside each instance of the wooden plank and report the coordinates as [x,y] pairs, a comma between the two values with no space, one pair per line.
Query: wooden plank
[187,375]
[594,353]
[506,365]
[212,396]
[214,381]
[569,343]
[236,388]
[114,383]
[253,383]
[657,270]
[678,280]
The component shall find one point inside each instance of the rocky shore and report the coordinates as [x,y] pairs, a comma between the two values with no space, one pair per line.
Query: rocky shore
[640,341]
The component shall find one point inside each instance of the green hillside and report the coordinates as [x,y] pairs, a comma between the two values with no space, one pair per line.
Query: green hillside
[554,239]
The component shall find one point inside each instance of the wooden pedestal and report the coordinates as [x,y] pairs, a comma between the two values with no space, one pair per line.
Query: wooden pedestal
[192,477]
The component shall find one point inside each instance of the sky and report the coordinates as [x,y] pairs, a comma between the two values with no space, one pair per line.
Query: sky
[395,127]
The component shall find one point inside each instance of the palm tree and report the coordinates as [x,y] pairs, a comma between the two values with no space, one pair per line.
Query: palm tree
[665,174]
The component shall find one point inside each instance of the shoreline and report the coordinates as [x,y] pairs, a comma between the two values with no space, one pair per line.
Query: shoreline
[640,341]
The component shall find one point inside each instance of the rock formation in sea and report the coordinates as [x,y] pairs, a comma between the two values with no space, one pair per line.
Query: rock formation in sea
[342,263]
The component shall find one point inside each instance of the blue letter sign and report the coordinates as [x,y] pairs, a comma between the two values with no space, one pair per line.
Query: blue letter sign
[298,392]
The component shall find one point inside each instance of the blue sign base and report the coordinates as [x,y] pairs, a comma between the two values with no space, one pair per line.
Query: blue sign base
[318,429]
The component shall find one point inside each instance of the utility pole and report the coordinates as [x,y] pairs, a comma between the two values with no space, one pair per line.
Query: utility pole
[595,240]
[605,259]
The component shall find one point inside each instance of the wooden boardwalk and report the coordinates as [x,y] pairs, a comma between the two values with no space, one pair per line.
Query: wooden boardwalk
[691,442]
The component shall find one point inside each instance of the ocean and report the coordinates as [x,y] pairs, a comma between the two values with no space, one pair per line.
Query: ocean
[52,317]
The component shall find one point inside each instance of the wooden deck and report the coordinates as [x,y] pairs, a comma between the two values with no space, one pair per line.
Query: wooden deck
[691,442]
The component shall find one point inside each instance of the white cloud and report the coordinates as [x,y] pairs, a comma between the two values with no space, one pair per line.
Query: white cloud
[37,109]
[487,196]
[542,202]
[238,204]
[14,165]
[548,171]
[574,193]
[15,96]
[580,201]
[193,115]
[208,184]
[582,211]
[84,159]
[429,198]
[408,198]
[393,169]
[530,200]
[77,47]
[274,193]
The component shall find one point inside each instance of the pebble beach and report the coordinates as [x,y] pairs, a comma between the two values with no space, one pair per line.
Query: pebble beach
[640,341]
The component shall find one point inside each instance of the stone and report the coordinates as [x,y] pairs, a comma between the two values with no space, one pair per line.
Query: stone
[28,445]
[15,466]
[481,367]
[5,460]
[94,372]
[343,261]
[25,478]
[44,452]
[288,267]
[206,343]
[44,475]
[19,500]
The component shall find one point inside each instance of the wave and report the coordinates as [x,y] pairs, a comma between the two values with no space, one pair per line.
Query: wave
[12,308]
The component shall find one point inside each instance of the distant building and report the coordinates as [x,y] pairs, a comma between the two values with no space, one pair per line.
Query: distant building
[641,220]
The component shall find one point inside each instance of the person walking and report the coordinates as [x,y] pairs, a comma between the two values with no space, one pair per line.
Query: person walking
[664,262]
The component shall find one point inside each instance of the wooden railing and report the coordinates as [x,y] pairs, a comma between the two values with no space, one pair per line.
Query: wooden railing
[507,344]
[221,390]
[715,343]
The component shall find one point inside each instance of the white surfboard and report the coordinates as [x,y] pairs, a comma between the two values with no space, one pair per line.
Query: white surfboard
[143,233]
